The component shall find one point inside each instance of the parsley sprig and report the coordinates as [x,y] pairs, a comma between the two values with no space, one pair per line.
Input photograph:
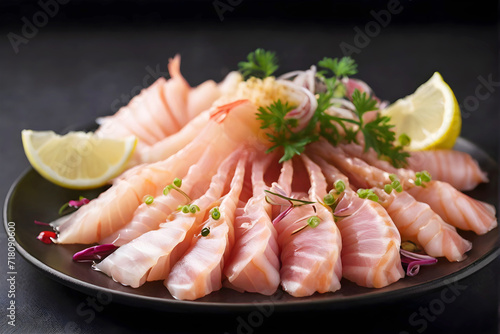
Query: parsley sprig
[282,132]
[260,64]
[377,133]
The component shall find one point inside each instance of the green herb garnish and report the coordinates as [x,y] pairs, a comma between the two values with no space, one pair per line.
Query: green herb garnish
[282,134]
[260,64]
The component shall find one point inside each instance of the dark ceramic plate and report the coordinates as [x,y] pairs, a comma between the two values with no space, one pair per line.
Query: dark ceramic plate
[32,197]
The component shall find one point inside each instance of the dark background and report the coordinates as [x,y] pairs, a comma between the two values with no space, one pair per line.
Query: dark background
[92,56]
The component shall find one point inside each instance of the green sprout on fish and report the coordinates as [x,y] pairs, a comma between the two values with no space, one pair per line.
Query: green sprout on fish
[176,185]
[422,177]
[394,185]
[368,194]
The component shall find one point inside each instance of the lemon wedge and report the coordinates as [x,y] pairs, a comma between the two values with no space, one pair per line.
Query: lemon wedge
[430,116]
[77,160]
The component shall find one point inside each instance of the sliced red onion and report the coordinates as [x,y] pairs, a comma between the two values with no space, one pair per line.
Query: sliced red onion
[353,84]
[414,261]
[289,75]
[41,223]
[283,214]
[306,79]
[344,103]
[94,253]
[76,204]
[307,107]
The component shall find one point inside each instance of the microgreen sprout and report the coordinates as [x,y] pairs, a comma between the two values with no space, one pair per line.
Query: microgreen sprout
[339,186]
[329,199]
[188,208]
[368,194]
[176,185]
[422,177]
[205,231]
[404,140]
[215,213]
[313,221]
[148,199]
[395,184]
[293,203]
[177,182]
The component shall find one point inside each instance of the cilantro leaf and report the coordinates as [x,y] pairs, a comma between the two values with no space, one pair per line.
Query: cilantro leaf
[260,64]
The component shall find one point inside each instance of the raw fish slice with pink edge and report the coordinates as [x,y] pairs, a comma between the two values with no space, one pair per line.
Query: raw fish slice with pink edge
[457,168]
[231,126]
[199,271]
[454,207]
[253,265]
[418,223]
[310,258]
[150,256]
[370,240]
[148,217]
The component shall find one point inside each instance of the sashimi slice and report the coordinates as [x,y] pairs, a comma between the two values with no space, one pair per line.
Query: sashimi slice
[417,222]
[151,255]
[370,239]
[370,243]
[254,264]
[456,208]
[310,258]
[115,207]
[149,216]
[176,92]
[454,167]
[199,271]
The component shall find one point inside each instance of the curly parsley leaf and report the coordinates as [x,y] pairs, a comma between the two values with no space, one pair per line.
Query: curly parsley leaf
[260,64]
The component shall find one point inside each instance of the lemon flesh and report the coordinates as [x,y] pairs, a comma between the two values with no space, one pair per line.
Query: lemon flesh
[430,116]
[77,160]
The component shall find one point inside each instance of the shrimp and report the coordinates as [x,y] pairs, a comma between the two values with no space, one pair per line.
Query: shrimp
[310,256]
[150,256]
[115,207]
[199,271]
[254,262]
[370,239]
